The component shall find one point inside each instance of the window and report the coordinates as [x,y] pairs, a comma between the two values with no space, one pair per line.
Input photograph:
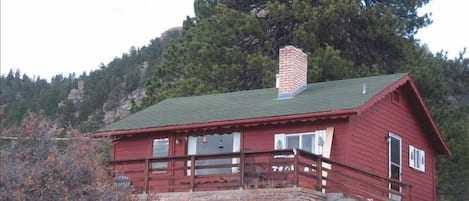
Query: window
[311,142]
[416,158]
[160,149]
[213,144]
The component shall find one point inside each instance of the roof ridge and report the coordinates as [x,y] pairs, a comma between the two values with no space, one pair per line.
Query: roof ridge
[272,88]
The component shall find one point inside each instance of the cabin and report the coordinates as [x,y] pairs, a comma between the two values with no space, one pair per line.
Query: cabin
[371,138]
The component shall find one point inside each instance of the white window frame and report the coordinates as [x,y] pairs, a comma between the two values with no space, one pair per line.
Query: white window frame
[416,158]
[154,154]
[281,140]
[390,163]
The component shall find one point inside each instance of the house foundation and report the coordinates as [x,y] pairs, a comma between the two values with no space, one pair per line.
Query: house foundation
[267,194]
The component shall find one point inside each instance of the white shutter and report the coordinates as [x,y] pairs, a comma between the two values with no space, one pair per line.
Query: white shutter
[236,148]
[280,141]
[320,140]
[411,156]
[191,150]
[192,147]
[236,142]
[422,160]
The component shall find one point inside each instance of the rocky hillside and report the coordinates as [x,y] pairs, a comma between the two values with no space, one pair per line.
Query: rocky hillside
[112,109]
[90,100]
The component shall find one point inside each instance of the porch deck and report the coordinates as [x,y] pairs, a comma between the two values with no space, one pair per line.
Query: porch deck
[255,170]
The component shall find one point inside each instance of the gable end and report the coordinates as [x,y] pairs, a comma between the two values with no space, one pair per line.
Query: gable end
[417,100]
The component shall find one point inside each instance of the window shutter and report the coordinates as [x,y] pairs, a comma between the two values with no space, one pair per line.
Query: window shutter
[280,141]
[411,156]
[236,148]
[422,160]
[192,145]
[236,142]
[320,136]
[191,150]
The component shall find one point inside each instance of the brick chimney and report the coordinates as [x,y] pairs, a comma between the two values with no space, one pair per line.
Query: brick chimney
[293,65]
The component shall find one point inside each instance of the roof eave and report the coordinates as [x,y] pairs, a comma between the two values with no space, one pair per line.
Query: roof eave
[429,118]
[236,122]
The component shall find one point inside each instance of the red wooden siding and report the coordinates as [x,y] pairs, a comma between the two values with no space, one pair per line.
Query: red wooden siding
[369,145]
[134,147]
[253,138]
[359,140]
[262,138]
[137,147]
[141,146]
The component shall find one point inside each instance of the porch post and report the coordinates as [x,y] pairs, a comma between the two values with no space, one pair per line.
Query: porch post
[242,165]
[319,172]
[192,173]
[145,181]
[409,193]
[296,169]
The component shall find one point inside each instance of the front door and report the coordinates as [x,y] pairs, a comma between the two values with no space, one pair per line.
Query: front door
[395,161]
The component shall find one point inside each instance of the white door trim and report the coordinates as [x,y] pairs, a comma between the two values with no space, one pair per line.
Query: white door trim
[397,137]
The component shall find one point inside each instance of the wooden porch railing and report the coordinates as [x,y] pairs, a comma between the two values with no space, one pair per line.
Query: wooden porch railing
[255,169]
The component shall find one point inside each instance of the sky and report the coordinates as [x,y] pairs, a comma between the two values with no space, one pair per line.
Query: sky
[49,37]
[450,28]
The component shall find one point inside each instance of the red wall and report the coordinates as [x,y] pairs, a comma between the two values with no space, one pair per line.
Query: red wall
[359,141]
[369,145]
[252,138]
[262,138]
[138,148]
[131,148]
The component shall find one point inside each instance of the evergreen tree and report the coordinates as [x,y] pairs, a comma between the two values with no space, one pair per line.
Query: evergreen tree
[233,45]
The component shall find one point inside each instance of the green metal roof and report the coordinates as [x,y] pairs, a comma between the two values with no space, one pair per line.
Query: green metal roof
[317,97]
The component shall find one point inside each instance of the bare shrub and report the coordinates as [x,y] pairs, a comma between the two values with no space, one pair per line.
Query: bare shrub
[35,166]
